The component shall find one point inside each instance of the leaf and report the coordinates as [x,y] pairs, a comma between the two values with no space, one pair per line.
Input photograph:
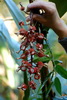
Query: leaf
[52,38]
[45,46]
[60,70]
[43,59]
[57,85]
[6,39]
[57,62]
[16,13]
[61,6]
[48,89]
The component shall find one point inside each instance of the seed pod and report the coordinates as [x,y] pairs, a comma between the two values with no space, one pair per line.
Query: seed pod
[23,68]
[40,36]
[40,64]
[23,32]
[32,51]
[40,54]
[24,87]
[37,76]
[39,46]
[36,70]
[21,23]
[23,56]
[31,70]
[32,85]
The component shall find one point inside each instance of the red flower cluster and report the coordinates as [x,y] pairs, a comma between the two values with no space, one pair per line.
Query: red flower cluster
[30,47]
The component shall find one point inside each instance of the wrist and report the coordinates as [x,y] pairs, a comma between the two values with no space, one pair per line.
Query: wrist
[60,29]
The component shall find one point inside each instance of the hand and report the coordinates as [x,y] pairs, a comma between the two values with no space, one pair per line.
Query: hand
[50,18]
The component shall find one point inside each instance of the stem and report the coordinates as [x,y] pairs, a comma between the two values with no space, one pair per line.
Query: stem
[27,92]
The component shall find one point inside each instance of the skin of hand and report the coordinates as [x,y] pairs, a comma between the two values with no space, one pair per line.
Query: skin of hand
[51,17]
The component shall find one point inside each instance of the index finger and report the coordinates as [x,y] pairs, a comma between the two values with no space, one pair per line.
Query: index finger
[38,4]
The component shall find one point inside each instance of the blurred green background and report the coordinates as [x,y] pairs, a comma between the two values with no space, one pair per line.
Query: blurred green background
[9,78]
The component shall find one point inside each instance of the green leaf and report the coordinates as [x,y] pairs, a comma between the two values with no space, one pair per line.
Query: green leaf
[45,46]
[60,70]
[6,39]
[43,59]
[57,85]
[52,38]
[49,89]
[57,62]
[61,6]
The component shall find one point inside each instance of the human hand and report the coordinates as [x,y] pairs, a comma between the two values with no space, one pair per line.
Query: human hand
[50,18]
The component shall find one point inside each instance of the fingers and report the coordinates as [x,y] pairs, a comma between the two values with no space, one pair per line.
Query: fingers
[38,18]
[38,4]
[28,18]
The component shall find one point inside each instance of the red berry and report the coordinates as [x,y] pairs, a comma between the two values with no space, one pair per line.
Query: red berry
[29,65]
[24,87]
[39,46]
[23,32]
[40,64]
[23,45]
[36,70]
[31,70]
[32,85]
[27,52]
[26,64]
[22,68]
[31,39]
[37,76]
[22,8]
[32,51]
[21,23]
[23,56]
[41,54]
[40,36]
[32,28]
[36,35]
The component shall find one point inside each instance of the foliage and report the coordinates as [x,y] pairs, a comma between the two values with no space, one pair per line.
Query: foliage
[57,85]
[61,6]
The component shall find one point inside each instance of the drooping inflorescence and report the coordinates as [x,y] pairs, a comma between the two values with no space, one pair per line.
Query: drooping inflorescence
[31,48]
